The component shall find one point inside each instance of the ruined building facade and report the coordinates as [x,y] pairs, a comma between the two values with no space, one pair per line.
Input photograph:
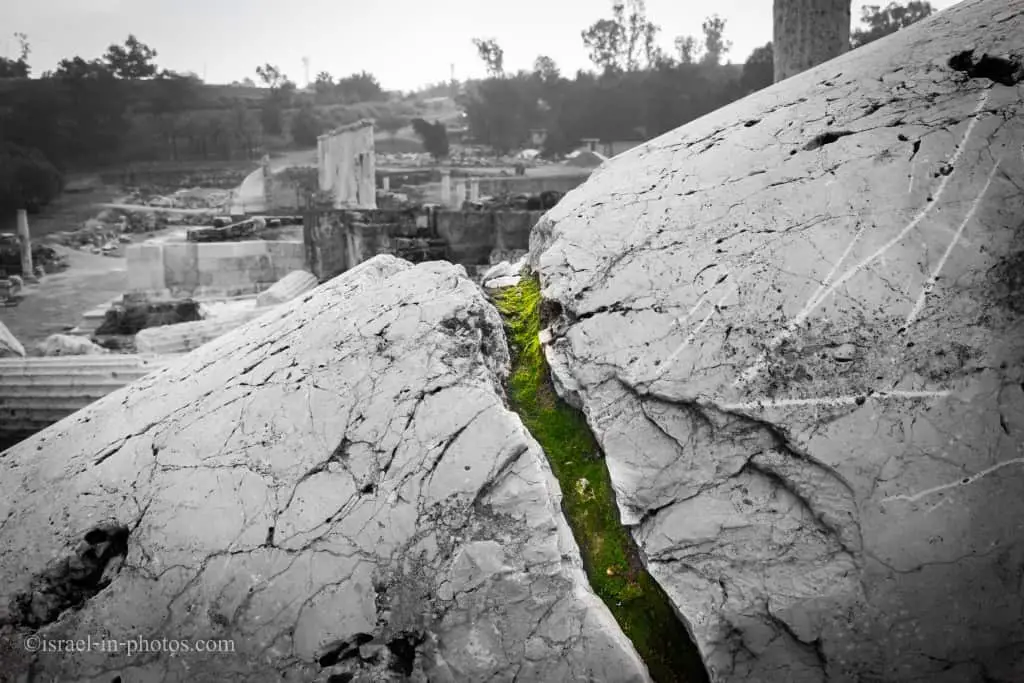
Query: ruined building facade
[345,157]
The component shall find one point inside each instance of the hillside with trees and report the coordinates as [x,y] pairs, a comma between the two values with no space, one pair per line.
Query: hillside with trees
[123,107]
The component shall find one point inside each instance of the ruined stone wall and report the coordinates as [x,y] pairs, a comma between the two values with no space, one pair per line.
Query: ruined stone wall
[339,240]
[190,269]
[346,160]
[497,186]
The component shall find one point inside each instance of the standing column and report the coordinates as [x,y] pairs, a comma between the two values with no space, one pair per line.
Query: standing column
[474,189]
[27,274]
[446,188]
[460,193]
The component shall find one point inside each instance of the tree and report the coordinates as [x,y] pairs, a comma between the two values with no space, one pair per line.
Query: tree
[324,83]
[306,126]
[545,69]
[624,42]
[17,68]
[492,55]
[27,179]
[882,22]
[715,45]
[78,69]
[133,60]
[271,76]
[687,49]
[434,137]
[360,87]
[281,90]
[807,33]
[758,70]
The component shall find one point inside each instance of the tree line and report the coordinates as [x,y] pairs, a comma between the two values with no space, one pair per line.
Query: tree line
[637,89]
[122,107]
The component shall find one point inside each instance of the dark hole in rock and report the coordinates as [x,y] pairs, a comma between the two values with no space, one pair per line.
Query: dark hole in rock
[826,138]
[902,138]
[340,678]
[346,649]
[117,679]
[403,651]
[367,489]
[270,536]
[72,581]
[1007,71]
[860,400]
[792,152]
[549,312]
[751,122]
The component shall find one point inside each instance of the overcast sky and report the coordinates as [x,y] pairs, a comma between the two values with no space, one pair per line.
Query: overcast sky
[405,43]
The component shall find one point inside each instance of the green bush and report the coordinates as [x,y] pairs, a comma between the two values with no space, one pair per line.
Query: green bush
[27,179]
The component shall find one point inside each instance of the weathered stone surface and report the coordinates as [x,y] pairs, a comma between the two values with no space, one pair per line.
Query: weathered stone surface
[9,344]
[68,345]
[795,326]
[337,487]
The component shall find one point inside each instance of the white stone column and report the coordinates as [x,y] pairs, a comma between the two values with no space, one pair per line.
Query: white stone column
[474,189]
[459,194]
[27,273]
[446,188]
[385,183]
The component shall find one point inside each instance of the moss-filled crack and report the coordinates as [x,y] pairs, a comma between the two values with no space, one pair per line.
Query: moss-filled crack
[610,557]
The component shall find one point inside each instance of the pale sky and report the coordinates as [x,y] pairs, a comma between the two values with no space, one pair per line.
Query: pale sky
[404,43]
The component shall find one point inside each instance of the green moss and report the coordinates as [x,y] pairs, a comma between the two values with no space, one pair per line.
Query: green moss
[609,555]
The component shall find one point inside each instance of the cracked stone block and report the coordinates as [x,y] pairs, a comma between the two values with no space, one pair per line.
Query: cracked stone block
[37,392]
[337,488]
[795,326]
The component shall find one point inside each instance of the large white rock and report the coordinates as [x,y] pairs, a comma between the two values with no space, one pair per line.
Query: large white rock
[336,488]
[795,326]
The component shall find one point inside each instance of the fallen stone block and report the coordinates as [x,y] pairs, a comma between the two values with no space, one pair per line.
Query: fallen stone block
[337,490]
[287,288]
[502,282]
[505,269]
[68,345]
[9,344]
[795,328]
[188,336]
[37,392]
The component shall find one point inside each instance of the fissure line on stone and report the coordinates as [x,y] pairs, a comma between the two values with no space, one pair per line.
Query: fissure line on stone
[614,565]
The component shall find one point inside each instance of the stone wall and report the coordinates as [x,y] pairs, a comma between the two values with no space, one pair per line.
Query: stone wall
[190,269]
[502,185]
[345,157]
[339,240]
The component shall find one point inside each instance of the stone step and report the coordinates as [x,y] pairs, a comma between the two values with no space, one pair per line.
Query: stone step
[185,337]
[36,392]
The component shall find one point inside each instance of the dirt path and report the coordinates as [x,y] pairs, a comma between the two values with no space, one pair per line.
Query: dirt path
[60,299]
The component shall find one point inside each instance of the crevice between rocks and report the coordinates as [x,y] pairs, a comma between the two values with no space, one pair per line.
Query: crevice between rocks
[614,564]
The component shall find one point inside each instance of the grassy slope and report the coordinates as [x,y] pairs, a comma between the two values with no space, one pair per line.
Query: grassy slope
[612,562]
